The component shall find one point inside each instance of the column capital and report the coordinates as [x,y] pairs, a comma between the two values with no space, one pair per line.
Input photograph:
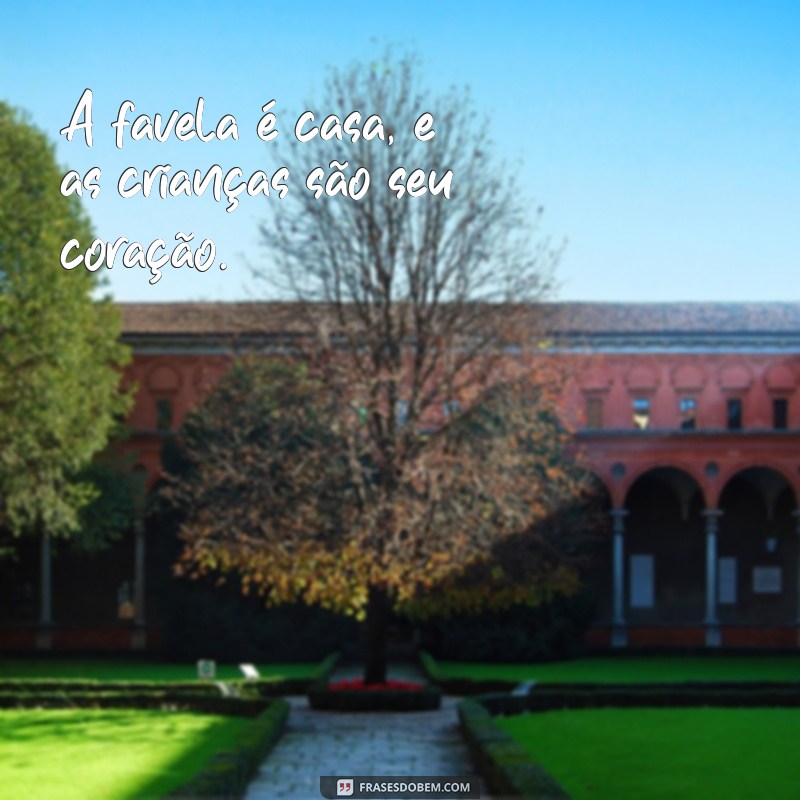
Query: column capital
[712,513]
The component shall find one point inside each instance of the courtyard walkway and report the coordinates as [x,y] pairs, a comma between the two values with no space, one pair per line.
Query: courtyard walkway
[367,743]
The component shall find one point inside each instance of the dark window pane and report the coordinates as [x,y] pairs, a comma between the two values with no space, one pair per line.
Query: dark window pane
[641,413]
[451,408]
[164,415]
[734,414]
[401,413]
[594,412]
[688,412]
[780,414]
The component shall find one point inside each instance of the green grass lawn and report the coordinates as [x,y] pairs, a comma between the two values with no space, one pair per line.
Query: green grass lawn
[666,754]
[106,755]
[129,670]
[636,670]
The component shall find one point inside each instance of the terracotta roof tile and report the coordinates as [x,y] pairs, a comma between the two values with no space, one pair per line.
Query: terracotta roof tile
[214,319]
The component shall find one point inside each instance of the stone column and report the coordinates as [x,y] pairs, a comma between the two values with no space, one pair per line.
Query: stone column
[139,635]
[44,636]
[711,621]
[619,632]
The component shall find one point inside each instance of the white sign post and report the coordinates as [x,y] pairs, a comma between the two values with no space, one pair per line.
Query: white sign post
[250,672]
[206,669]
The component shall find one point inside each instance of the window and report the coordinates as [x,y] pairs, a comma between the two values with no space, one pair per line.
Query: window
[594,413]
[688,410]
[401,413]
[726,581]
[451,408]
[780,414]
[734,414]
[163,415]
[641,413]
[642,572]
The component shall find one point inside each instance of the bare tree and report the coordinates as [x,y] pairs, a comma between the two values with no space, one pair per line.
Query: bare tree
[423,330]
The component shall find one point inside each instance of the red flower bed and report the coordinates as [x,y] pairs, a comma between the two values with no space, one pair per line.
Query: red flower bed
[358,685]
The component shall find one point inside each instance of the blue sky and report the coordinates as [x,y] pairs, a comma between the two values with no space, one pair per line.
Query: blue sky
[662,139]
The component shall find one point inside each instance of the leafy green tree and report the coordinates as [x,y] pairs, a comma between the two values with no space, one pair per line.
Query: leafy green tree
[60,355]
[120,498]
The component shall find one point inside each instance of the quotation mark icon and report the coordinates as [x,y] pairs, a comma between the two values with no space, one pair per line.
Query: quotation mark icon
[344,787]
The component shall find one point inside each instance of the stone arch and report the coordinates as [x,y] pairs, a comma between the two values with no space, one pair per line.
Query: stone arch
[665,546]
[758,546]
[759,471]
[685,475]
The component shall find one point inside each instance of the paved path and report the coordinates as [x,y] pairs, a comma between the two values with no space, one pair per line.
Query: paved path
[365,743]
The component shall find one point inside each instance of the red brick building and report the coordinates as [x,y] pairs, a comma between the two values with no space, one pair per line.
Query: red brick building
[688,414]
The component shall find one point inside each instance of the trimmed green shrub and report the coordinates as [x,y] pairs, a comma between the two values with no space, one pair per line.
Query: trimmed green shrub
[470,686]
[460,686]
[509,770]
[547,698]
[80,685]
[164,699]
[322,698]
[228,772]
[267,688]
[240,687]
[505,765]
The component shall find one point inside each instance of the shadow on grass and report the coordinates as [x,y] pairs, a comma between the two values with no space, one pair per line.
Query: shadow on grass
[187,763]
[113,754]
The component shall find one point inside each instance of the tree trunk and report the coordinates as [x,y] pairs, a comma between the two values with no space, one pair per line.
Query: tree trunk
[377,623]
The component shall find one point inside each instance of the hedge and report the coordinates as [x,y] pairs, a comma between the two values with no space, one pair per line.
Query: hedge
[70,685]
[228,772]
[266,688]
[165,699]
[505,765]
[545,699]
[322,698]
[461,686]
[262,687]
[509,770]
[470,686]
